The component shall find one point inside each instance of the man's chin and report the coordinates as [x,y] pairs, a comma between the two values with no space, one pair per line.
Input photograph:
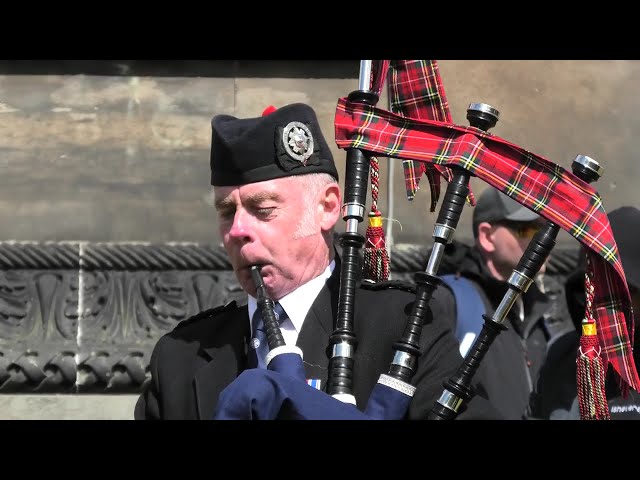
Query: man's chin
[246,282]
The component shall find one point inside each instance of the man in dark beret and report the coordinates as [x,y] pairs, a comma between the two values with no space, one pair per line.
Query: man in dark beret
[278,200]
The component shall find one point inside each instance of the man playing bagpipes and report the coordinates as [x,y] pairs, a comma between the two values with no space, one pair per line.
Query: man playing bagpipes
[278,199]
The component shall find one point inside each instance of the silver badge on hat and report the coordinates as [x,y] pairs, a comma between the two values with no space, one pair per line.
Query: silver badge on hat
[298,141]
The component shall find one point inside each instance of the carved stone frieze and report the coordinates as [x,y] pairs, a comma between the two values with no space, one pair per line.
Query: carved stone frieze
[38,330]
[83,317]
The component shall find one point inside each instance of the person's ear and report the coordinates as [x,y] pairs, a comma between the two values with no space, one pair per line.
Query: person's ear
[486,240]
[330,205]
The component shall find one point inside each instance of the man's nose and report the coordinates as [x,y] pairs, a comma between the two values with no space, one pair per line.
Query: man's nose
[241,226]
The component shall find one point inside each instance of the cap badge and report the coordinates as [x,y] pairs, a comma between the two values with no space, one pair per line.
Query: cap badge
[298,141]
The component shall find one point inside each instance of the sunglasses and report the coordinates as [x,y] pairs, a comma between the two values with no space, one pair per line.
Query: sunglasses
[522,229]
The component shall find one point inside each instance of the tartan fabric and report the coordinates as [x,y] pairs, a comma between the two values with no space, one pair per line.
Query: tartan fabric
[379,70]
[541,185]
[416,91]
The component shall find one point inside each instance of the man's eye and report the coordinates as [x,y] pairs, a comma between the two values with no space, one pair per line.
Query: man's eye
[226,214]
[265,211]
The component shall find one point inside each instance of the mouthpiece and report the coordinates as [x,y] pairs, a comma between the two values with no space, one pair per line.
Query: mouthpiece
[275,339]
[258,281]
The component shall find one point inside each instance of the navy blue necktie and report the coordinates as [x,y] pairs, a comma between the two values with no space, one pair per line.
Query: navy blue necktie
[258,345]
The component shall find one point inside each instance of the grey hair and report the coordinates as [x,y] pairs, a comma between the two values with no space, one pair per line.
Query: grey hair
[312,184]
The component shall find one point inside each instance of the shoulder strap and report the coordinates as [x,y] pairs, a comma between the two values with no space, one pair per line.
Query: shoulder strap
[386,284]
[206,314]
[469,308]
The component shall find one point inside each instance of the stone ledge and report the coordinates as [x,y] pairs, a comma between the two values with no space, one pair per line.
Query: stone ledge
[67,407]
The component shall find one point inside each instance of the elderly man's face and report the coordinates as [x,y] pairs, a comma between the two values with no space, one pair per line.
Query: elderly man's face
[279,225]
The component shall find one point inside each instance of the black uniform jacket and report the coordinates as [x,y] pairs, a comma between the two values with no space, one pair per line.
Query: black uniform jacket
[192,364]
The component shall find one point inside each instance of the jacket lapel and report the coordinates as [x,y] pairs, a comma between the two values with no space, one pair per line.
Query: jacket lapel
[211,380]
[318,327]
[226,350]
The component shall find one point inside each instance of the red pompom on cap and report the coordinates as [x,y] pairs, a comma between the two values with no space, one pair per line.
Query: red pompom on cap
[268,110]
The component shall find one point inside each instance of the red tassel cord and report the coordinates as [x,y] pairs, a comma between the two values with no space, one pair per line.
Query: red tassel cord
[590,371]
[376,258]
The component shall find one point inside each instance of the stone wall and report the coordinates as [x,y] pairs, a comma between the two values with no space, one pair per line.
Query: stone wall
[124,157]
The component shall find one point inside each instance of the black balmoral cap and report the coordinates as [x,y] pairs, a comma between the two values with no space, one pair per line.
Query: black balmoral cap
[282,142]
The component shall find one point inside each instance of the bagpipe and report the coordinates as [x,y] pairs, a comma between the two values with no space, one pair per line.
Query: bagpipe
[418,130]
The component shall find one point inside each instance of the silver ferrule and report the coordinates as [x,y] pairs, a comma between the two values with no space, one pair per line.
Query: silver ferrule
[353,210]
[364,80]
[352,225]
[520,284]
[342,349]
[505,305]
[443,232]
[450,401]
[520,281]
[434,258]
[405,360]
